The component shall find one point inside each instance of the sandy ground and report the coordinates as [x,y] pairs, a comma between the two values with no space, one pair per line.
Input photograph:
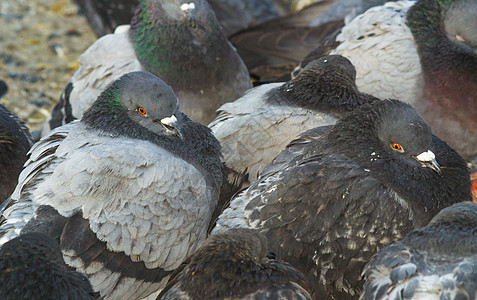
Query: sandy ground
[40,42]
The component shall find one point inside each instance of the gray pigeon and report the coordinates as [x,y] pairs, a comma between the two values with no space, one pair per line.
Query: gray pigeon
[128,190]
[257,127]
[236,265]
[32,267]
[178,40]
[422,52]
[15,141]
[434,262]
[340,193]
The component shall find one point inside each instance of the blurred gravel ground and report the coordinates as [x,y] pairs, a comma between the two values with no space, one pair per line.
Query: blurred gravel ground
[40,42]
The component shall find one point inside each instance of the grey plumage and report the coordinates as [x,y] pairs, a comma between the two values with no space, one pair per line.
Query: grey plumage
[436,261]
[32,267]
[129,190]
[236,265]
[340,193]
[255,128]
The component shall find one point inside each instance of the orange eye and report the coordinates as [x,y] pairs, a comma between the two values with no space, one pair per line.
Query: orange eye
[397,147]
[141,110]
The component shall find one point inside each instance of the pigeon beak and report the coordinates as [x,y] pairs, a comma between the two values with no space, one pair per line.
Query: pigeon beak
[189,11]
[170,123]
[428,160]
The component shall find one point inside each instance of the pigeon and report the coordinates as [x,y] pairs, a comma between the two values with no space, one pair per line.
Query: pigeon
[236,265]
[340,193]
[434,262]
[15,141]
[422,52]
[257,127]
[179,41]
[32,267]
[128,190]
[379,45]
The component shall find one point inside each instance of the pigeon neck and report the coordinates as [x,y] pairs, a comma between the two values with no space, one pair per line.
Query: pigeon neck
[200,148]
[172,46]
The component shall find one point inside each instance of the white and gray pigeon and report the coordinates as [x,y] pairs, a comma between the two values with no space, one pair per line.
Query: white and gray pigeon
[339,193]
[128,190]
[438,261]
[178,40]
[257,127]
[422,52]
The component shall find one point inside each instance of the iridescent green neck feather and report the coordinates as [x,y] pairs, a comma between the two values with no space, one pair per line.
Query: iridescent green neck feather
[171,44]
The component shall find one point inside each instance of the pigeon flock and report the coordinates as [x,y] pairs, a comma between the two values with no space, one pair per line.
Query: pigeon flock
[237,149]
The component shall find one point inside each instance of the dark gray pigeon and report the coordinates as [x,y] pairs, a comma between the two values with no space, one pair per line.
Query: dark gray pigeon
[15,141]
[32,267]
[339,194]
[128,191]
[178,40]
[236,265]
[435,262]
[254,129]
[422,52]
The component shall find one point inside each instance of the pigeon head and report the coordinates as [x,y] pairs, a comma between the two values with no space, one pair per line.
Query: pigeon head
[136,98]
[326,84]
[405,135]
[389,131]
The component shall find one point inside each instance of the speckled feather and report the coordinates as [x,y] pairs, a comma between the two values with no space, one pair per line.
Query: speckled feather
[434,262]
[336,196]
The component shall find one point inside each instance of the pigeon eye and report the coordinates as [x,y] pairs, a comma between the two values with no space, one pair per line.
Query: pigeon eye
[141,110]
[397,147]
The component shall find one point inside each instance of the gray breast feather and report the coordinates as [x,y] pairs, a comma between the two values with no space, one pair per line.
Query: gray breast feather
[138,198]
